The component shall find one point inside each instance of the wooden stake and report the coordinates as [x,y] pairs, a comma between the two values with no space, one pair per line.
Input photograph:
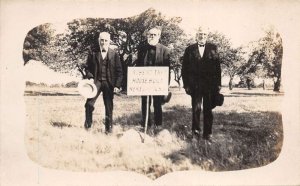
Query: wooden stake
[146,120]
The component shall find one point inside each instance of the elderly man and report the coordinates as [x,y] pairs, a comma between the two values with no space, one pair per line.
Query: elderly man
[153,54]
[201,75]
[106,70]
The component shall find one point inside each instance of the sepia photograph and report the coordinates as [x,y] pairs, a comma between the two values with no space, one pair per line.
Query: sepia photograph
[192,93]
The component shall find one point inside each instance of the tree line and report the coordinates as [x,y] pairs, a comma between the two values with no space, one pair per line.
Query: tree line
[64,52]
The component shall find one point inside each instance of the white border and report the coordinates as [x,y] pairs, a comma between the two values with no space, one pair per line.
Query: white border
[18,17]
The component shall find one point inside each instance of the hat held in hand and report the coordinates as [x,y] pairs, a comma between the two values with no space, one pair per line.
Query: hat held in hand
[217,100]
[87,88]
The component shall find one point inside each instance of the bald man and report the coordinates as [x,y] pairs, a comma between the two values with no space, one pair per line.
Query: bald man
[106,70]
[201,75]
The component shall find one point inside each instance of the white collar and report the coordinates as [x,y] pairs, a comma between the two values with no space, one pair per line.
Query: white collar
[201,50]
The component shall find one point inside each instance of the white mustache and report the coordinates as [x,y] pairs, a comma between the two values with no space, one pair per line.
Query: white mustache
[152,41]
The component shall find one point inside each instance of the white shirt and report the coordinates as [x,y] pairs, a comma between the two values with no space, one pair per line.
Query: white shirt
[201,50]
[103,54]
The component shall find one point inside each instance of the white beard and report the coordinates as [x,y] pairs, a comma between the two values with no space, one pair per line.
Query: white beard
[153,42]
[104,47]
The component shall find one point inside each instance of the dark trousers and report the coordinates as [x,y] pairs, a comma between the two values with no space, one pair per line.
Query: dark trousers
[197,97]
[157,102]
[102,86]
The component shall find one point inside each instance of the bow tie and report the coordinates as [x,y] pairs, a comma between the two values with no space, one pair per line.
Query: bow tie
[103,50]
[151,47]
[201,45]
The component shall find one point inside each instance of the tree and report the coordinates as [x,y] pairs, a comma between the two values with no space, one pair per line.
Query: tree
[268,54]
[37,42]
[176,56]
[68,50]
[232,59]
[129,33]
[80,39]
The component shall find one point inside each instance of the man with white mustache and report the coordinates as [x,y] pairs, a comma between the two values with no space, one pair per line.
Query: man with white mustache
[105,68]
[201,75]
[153,54]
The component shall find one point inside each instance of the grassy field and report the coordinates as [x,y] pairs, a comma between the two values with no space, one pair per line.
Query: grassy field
[247,133]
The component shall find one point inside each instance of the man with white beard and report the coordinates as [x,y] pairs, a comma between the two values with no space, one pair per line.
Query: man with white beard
[152,53]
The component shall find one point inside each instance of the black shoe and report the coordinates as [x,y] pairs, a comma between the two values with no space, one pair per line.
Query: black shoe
[87,125]
[157,129]
[108,129]
[207,137]
[196,134]
[140,129]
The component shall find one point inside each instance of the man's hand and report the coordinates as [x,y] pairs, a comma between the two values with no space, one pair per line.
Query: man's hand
[117,90]
[188,91]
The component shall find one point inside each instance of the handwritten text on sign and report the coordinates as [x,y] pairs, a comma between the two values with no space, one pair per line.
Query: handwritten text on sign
[147,80]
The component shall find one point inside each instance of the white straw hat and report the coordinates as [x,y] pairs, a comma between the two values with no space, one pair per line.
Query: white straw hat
[87,88]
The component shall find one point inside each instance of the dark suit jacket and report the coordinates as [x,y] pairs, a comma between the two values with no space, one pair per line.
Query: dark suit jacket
[114,67]
[162,56]
[202,72]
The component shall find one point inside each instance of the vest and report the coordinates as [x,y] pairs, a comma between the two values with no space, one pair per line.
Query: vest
[151,53]
[102,72]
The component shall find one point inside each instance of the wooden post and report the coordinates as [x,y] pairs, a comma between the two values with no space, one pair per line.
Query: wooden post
[147,116]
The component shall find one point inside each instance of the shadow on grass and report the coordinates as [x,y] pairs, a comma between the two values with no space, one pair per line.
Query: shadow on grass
[45,93]
[240,140]
[248,94]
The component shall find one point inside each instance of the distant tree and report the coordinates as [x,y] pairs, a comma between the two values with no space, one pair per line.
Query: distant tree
[56,85]
[30,84]
[42,85]
[72,84]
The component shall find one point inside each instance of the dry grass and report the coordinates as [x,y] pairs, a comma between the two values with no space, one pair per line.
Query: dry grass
[247,133]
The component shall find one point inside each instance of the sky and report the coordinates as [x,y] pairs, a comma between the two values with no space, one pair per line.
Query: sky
[238,35]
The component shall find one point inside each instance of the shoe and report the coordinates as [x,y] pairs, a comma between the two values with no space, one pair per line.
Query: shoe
[87,125]
[208,137]
[196,134]
[108,129]
[142,123]
[157,129]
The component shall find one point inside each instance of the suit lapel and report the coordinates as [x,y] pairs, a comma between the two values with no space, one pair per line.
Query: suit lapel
[98,56]
[196,52]
[99,60]
[206,50]
[157,53]
[109,54]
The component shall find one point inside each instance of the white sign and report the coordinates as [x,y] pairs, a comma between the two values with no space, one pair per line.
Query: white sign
[147,81]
